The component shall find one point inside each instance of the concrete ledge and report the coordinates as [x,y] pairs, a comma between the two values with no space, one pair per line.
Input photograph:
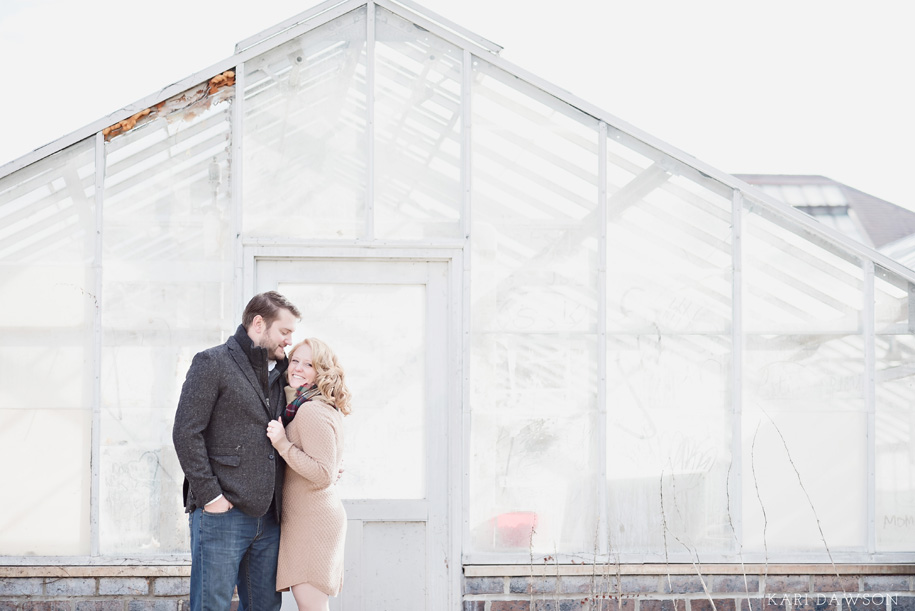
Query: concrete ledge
[506,570]
[541,570]
[95,571]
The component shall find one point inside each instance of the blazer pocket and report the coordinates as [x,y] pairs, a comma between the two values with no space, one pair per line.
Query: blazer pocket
[229,461]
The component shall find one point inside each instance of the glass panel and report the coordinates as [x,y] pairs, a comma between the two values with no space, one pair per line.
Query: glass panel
[669,310]
[668,443]
[795,286]
[47,249]
[542,436]
[305,135]
[400,577]
[417,132]
[803,373]
[895,416]
[668,257]
[811,458]
[47,363]
[167,295]
[534,319]
[379,332]
[50,488]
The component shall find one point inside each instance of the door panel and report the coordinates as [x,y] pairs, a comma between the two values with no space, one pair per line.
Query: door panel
[378,332]
[387,322]
[394,564]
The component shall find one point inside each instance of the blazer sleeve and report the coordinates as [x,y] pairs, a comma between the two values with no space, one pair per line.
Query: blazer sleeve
[316,460]
[195,406]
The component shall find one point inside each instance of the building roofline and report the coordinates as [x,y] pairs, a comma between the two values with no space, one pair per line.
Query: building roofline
[475,45]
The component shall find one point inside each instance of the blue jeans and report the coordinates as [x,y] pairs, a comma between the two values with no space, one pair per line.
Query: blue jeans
[229,549]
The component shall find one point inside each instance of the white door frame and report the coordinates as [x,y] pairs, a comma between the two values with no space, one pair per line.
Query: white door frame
[455,377]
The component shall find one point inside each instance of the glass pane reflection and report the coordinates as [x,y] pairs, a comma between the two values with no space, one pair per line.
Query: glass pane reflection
[52,519]
[804,427]
[894,416]
[417,131]
[49,303]
[305,135]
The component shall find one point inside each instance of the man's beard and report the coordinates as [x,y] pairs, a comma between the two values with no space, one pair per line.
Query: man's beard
[275,352]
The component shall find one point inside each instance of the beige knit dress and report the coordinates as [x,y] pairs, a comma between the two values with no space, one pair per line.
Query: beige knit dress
[313,526]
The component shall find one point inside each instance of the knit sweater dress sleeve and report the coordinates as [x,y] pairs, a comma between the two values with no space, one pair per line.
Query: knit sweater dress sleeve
[316,459]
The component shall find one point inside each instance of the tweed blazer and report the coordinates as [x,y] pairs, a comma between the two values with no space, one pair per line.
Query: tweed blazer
[220,431]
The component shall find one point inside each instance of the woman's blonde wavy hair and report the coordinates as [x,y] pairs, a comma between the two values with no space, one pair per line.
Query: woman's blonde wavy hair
[329,376]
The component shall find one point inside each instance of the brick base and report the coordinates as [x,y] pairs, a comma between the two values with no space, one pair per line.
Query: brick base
[649,589]
[94,589]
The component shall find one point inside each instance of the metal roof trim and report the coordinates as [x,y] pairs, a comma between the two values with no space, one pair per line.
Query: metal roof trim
[292,22]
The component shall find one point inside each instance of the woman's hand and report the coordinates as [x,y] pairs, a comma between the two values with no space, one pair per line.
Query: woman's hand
[275,432]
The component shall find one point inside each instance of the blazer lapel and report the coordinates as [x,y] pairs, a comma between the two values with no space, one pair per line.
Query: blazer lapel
[241,359]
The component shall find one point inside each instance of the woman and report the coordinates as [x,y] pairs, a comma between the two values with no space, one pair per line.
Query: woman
[313,526]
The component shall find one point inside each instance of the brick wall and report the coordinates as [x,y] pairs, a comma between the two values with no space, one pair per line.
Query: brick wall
[721,588]
[515,588]
[94,588]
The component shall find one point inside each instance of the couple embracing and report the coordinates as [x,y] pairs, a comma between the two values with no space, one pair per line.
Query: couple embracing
[259,436]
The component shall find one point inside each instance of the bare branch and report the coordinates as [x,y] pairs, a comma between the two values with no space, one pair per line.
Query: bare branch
[806,494]
[761,505]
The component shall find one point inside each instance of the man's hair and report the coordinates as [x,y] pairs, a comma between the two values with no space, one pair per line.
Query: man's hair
[268,306]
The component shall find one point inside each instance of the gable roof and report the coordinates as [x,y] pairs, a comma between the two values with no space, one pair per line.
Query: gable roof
[669,159]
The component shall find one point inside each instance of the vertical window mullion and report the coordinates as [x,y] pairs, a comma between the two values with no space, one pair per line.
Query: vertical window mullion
[868,327]
[370,121]
[466,143]
[95,433]
[242,283]
[466,176]
[603,546]
[735,479]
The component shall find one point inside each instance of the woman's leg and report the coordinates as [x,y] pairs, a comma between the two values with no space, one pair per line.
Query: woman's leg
[309,598]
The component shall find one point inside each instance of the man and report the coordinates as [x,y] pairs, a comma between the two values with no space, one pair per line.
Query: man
[233,477]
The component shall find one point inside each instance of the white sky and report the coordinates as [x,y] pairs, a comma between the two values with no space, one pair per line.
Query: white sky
[770,86]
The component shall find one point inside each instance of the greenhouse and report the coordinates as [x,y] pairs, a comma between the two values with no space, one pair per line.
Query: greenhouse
[598,355]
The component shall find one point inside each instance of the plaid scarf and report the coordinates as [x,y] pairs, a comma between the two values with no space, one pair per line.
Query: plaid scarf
[302,395]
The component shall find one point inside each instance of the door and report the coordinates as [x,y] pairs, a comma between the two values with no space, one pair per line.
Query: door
[388,323]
